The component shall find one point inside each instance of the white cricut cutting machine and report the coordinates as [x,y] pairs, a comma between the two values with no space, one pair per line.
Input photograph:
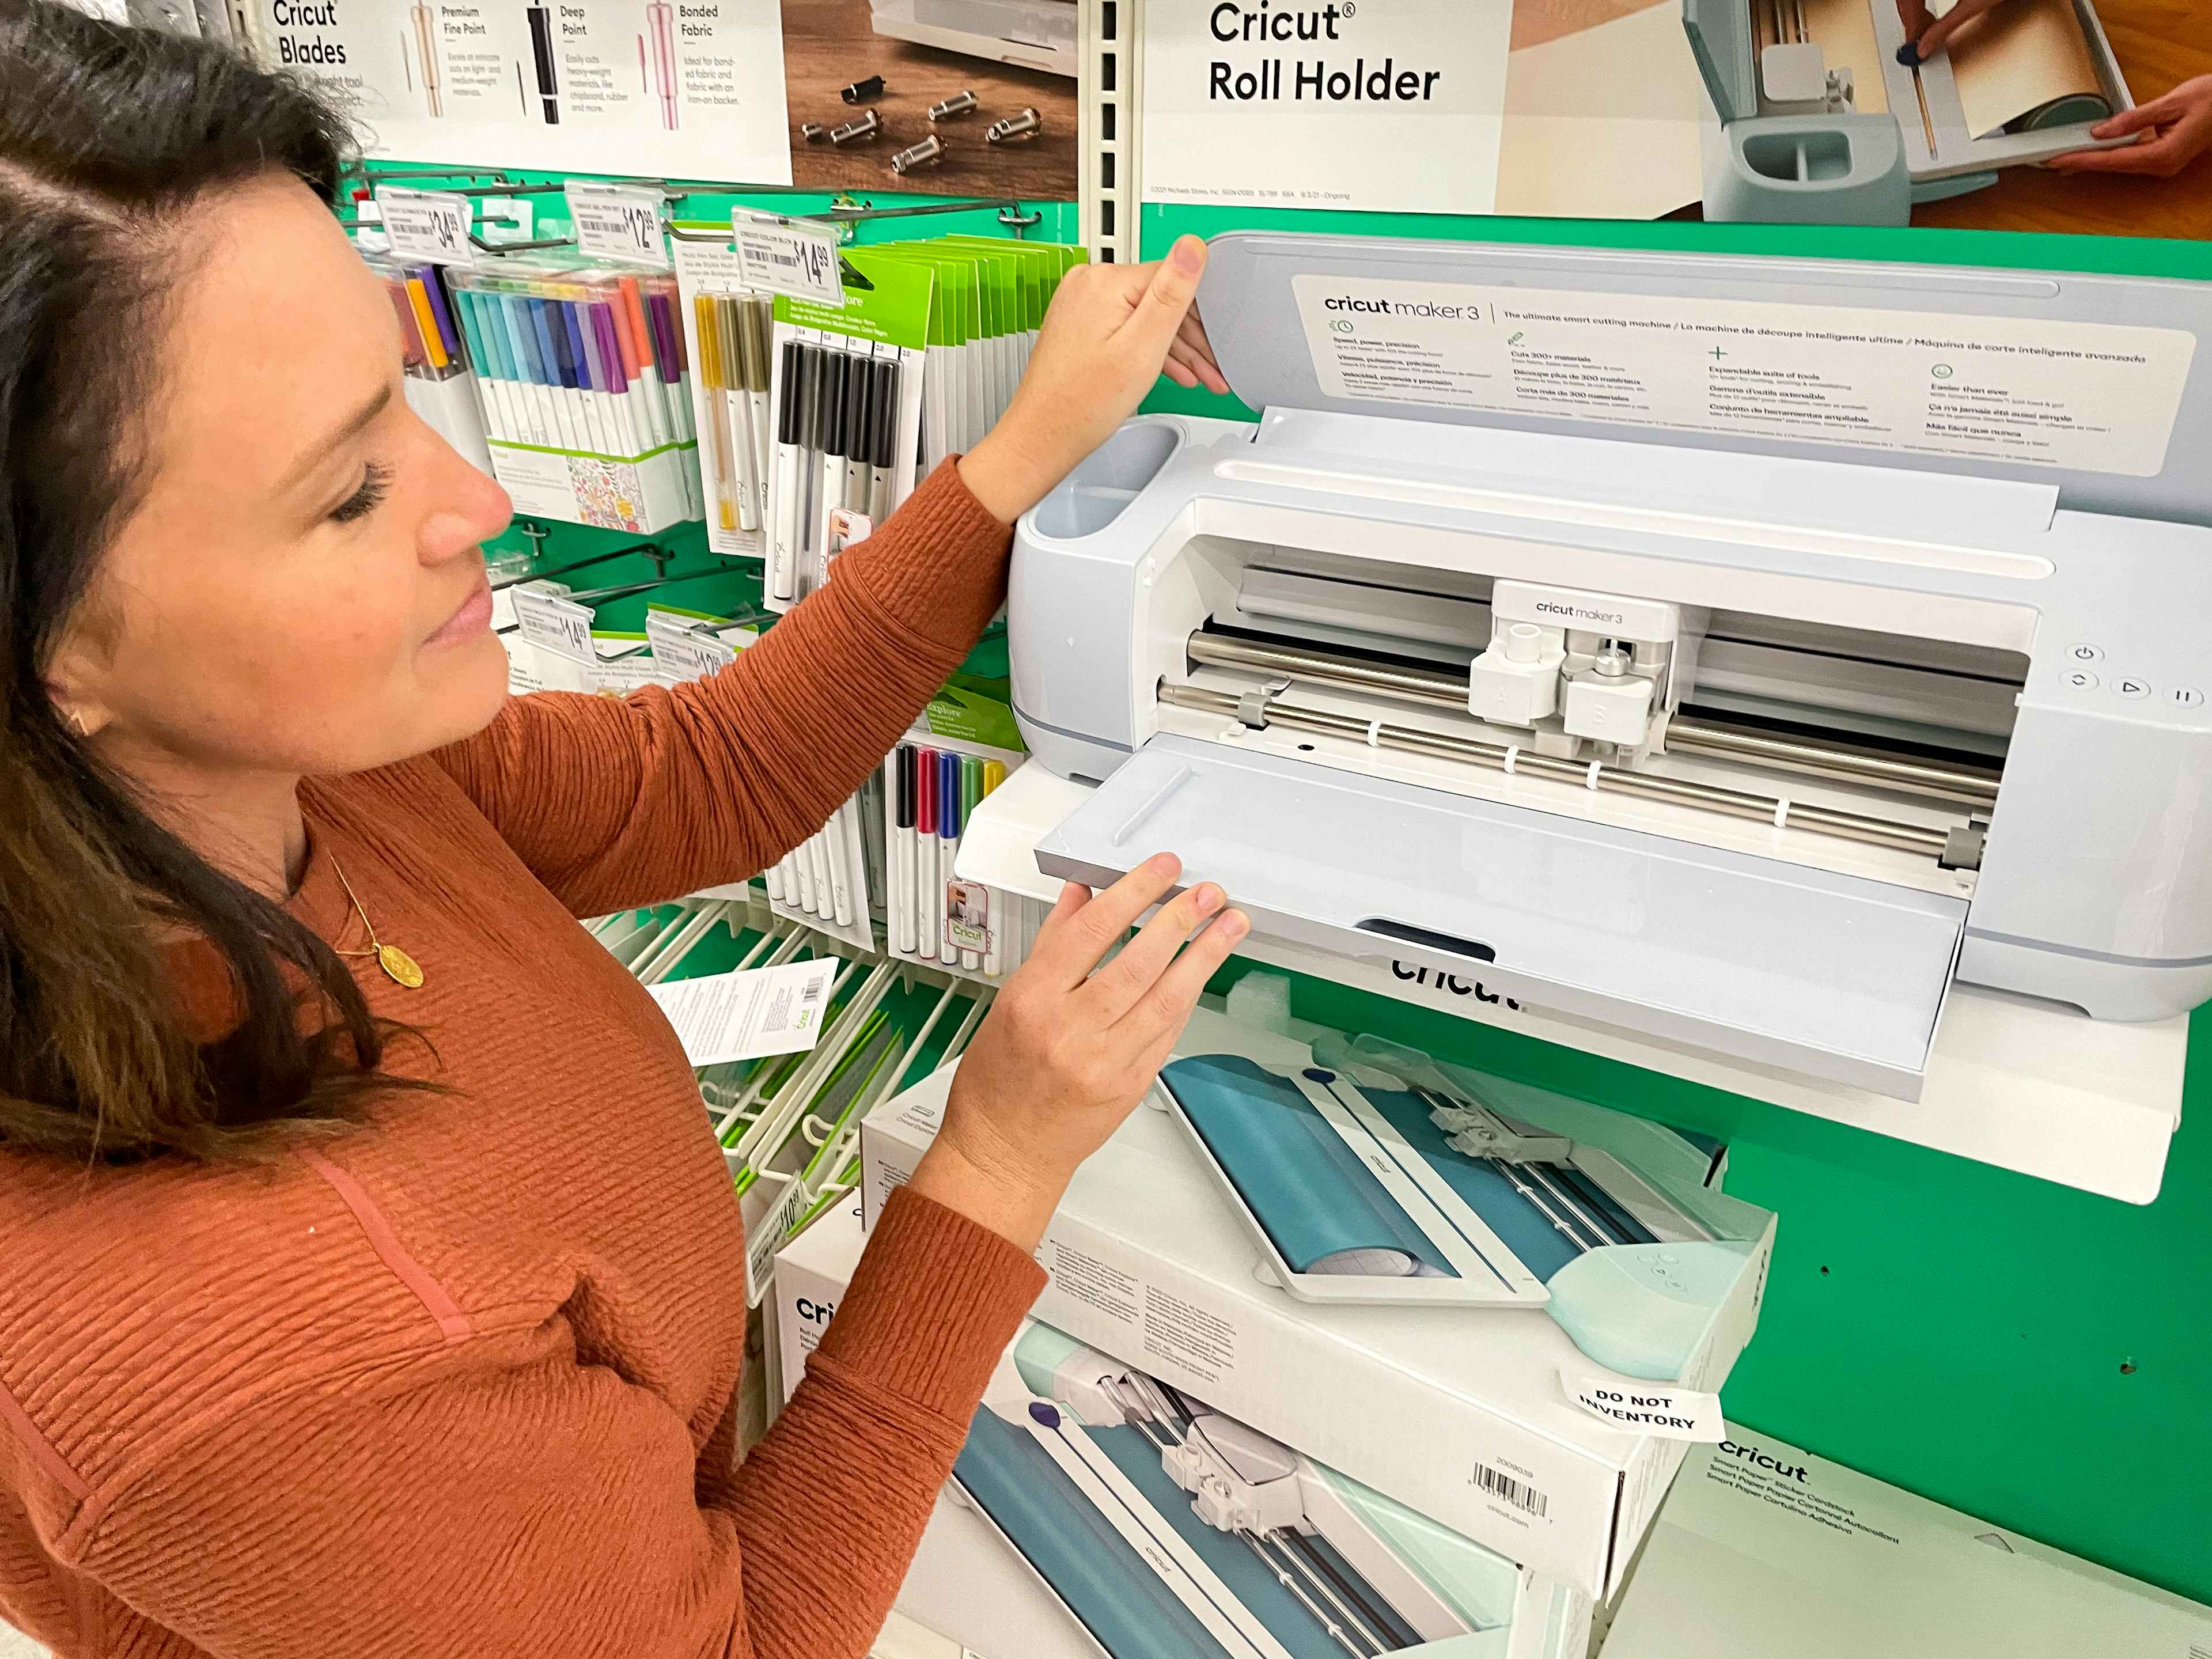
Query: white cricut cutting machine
[1787,674]
[1038,34]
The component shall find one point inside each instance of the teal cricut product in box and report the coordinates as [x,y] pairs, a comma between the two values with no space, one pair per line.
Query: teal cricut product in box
[1368,1172]
[1458,1380]
[1098,1508]
[1172,1531]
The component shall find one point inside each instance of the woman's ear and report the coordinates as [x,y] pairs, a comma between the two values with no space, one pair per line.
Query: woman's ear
[73,682]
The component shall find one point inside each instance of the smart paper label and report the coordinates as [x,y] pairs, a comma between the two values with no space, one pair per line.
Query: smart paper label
[2086,397]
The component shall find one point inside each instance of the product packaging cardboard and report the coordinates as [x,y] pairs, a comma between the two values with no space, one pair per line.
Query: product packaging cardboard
[1095,1510]
[1462,1414]
[1763,1549]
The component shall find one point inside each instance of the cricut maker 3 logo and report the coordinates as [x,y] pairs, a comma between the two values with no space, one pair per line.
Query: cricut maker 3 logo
[1577,612]
[1401,308]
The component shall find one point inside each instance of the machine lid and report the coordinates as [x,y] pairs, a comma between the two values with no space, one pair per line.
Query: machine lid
[1722,42]
[2129,346]
[1824,975]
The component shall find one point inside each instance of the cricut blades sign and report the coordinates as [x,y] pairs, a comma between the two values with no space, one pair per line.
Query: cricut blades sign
[1386,105]
[684,87]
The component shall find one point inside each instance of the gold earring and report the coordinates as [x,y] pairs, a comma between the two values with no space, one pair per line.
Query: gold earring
[77,723]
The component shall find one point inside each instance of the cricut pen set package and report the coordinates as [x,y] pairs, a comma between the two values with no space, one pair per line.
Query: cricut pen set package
[438,382]
[820,419]
[584,379]
[1510,1310]
[956,755]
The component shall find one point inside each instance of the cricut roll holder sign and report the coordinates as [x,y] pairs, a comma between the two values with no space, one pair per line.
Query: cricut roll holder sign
[1740,667]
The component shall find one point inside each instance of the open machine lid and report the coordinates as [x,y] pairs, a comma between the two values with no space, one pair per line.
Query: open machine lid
[1823,974]
[2097,383]
[1722,42]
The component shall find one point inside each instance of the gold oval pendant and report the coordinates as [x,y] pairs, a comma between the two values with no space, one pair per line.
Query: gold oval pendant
[398,965]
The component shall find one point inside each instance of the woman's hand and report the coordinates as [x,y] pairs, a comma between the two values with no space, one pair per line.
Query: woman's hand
[1925,37]
[1111,332]
[1069,1048]
[2177,128]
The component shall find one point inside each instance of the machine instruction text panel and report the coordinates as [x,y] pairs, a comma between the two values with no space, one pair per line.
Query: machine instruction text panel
[2091,396]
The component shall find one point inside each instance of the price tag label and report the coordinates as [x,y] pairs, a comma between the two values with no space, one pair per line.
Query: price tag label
[430,225]
[788,255]
[562,626]
[618,221]
[682,653]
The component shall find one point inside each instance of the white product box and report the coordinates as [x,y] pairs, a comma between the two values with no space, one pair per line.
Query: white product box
[642,493]
[1460,1413]
[964,1584]
[809,1273]
[1094,1512]
[1763,1549]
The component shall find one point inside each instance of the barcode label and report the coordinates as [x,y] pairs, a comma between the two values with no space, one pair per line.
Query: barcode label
[811,992]
[777,255]
[1506,1489]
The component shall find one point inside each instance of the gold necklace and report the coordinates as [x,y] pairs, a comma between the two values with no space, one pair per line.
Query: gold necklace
[398,965]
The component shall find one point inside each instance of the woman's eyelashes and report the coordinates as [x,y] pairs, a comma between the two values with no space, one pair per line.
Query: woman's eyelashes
[376,479]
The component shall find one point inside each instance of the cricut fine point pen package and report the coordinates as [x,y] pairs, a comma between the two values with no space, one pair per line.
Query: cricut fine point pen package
[1164,1529]
[729,333]
[956,755]
[583,376]
[1513,1421]
[845,396]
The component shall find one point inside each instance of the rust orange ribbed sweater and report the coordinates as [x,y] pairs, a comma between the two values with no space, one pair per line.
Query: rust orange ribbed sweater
[459,1385]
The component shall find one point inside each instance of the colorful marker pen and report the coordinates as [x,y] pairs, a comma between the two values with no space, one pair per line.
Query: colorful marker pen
[783,551]
[759,327]
[924,842]
[972,796]
[899,904]
[948,843]
[884,405]
[994,774]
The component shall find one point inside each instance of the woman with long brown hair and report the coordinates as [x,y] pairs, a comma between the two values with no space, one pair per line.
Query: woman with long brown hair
[343,1315]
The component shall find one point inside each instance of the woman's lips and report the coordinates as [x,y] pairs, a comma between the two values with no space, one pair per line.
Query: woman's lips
[473,618]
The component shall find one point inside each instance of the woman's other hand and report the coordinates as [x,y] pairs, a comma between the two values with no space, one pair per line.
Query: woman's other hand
[1925,34]
[1069,1048]
[2176,130]
[1111,331]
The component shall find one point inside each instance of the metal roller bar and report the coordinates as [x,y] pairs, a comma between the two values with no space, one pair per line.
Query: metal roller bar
[1818,760]
[1331,668]
[1737,803]
[1444,691]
